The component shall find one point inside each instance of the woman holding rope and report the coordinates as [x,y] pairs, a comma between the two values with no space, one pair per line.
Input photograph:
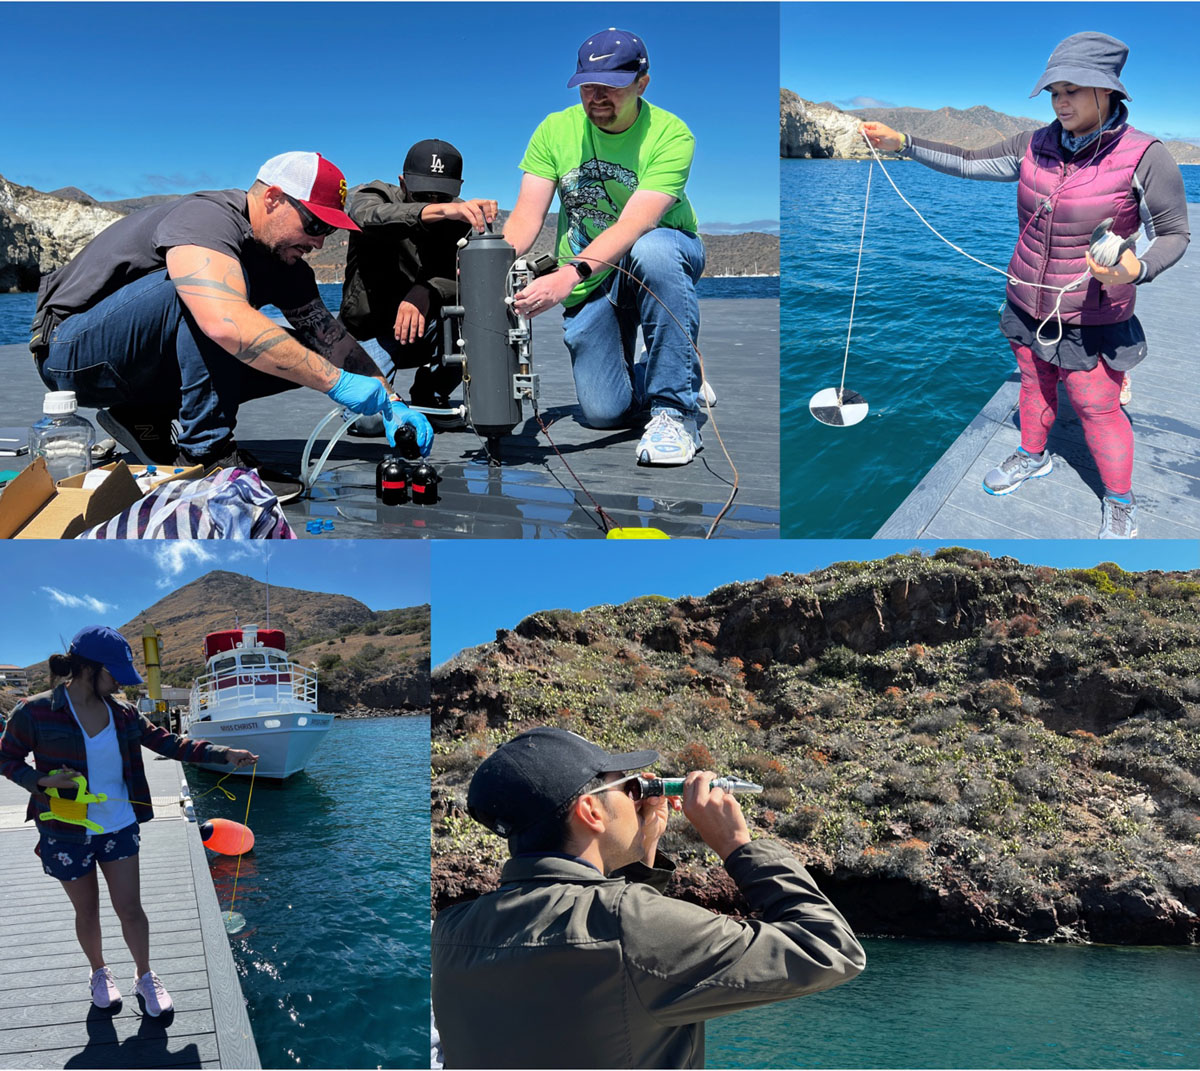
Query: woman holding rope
[81,727]
[1071,292]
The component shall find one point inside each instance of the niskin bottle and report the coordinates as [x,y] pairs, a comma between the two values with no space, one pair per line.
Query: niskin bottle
[62,436]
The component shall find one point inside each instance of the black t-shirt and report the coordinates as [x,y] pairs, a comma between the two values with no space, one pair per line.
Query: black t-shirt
[137,245]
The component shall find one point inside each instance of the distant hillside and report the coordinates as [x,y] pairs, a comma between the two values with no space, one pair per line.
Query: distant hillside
[957,746]
[370,658]
[822,131]
[42,231]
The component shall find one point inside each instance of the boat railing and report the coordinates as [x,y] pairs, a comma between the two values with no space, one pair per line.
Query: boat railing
[287,682]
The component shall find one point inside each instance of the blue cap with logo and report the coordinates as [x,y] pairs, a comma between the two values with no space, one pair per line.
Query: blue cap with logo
[98,643]
[610,58]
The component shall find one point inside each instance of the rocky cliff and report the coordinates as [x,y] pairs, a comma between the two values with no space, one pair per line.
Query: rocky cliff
[812,131]
[41,231]
[958,747]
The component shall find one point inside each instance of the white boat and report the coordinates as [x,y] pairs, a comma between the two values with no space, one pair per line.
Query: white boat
[253,696]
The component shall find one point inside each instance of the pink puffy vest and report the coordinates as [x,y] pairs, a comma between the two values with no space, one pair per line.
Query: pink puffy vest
[1069,200]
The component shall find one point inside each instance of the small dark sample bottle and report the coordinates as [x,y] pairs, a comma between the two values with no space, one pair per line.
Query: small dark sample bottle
[424,481]
[393,481]
[379,473]
[406,442]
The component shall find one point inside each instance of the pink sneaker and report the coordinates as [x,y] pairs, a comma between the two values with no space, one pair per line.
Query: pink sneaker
[154,993]
[104,988]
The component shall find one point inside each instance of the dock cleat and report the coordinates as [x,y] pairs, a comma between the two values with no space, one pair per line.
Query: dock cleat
[104,988]
[154,994]
[1118,518]
[1018,467]
[669,439]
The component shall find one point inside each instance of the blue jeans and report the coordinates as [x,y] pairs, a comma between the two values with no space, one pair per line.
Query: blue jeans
[426,355]
[600,334]
[140,346]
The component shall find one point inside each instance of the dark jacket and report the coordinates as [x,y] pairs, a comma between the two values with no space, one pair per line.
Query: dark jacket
[564,967]
[393,251]
[43,724]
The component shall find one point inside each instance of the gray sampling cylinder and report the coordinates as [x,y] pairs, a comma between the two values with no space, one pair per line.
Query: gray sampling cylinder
[491,359]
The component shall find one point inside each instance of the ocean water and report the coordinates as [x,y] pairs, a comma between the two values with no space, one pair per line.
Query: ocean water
[952,1005]
[334,959]
[16,310]
[926,351]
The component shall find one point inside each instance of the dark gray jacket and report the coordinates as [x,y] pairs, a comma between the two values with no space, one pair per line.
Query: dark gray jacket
[393,251]
[563,967]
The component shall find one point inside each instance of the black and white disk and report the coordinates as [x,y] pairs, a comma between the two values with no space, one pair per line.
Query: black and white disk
[824,405]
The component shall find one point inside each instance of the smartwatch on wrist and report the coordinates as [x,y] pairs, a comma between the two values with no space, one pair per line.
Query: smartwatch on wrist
[582,267]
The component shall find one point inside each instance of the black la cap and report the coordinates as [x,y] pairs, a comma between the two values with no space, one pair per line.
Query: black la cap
[433,166]
[535,775]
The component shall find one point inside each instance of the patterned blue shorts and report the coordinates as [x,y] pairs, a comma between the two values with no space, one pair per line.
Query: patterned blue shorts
[69,860]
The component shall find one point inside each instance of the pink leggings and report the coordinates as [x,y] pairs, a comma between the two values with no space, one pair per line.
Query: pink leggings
[1096,397]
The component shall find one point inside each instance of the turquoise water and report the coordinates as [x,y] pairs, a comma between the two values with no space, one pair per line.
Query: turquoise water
[947,1005]
[334,960]
[926,350]
[16,310]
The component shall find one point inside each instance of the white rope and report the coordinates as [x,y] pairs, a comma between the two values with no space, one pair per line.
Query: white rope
[857,271]
[1061,291]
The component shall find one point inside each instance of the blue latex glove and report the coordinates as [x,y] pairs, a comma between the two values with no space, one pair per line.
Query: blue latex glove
[397,414]
[360,394]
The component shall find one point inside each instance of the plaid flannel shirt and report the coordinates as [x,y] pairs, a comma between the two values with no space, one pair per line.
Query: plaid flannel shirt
[43,724]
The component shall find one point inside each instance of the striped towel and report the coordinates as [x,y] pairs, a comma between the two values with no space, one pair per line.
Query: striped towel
[226,504]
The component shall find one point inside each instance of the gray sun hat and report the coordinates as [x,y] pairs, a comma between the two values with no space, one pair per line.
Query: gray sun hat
[1086,59]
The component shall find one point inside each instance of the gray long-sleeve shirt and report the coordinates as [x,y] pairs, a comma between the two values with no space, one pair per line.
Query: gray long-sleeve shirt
[1157,185]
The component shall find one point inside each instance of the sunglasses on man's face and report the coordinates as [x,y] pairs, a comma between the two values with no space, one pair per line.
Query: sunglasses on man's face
[631,786]
[313,227]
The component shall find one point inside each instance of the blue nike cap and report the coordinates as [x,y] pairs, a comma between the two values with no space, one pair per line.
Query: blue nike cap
[610,58]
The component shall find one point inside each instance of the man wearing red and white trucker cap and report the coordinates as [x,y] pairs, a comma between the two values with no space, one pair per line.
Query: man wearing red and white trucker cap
[157,319]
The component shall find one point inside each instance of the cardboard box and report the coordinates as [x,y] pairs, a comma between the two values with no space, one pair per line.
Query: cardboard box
[33,507]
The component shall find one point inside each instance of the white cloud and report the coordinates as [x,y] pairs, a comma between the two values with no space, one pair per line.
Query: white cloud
[173,556]
[79,602]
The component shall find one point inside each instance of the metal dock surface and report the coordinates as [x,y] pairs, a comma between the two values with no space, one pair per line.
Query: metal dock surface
[532,494]
[950,503]
[46,1016]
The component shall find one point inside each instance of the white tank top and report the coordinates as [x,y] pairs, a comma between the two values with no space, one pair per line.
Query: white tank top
[105,775]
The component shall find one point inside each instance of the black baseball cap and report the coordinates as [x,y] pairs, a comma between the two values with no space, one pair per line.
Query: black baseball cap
[433,166]
[535,775]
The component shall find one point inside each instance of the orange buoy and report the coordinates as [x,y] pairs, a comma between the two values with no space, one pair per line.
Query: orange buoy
[226,837]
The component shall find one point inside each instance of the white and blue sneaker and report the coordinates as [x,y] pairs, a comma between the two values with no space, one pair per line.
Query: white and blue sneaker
[1118,519]
[1018,467]
[669,439]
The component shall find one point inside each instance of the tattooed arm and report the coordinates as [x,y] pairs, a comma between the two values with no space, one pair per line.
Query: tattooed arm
[320,331]
[213,288]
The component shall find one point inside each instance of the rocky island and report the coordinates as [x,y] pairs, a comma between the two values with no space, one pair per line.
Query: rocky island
[957,746]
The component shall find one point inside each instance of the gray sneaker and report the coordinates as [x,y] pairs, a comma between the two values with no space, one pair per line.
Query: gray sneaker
[1015,470]
[1118,519]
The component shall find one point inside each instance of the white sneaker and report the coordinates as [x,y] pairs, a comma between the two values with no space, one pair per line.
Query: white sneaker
[104,988]
[669,439]
[153,993]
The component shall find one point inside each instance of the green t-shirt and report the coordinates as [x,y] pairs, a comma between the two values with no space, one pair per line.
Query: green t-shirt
[596,174]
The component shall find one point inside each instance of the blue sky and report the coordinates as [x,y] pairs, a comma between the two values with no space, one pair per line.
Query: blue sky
[125,100]
[50,589]
[483,586]
[934,55]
